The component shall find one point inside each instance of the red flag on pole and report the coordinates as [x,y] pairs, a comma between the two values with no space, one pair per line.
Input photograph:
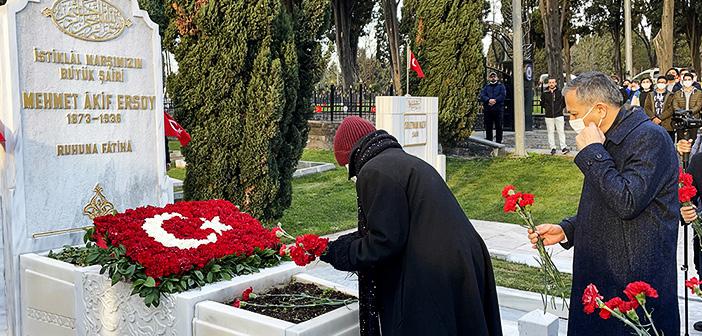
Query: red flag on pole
[414,65]
[173,129]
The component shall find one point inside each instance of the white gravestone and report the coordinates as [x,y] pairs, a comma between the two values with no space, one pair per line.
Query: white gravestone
[80,106]
[414,121]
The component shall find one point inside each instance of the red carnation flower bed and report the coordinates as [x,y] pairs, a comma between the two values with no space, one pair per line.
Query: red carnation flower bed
[126,229]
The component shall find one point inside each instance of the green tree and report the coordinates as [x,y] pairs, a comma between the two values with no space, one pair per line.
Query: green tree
[446,35]
[247,70]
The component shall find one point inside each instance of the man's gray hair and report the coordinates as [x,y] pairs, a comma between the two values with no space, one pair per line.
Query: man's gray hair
[595,87]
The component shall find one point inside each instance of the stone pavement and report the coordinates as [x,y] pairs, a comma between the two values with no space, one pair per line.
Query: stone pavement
[508,241]
[536,141]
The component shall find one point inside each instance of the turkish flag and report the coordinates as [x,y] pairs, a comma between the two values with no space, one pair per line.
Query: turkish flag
[173,129]
[414,65]
[2,137]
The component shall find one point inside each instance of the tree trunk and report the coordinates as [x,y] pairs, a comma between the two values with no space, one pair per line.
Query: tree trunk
[692,33]
[551,19]
[566,57]
[617,40]
[344,50]
[392,29]
[664,42]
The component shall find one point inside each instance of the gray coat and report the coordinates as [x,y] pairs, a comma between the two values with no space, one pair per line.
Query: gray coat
[626,228]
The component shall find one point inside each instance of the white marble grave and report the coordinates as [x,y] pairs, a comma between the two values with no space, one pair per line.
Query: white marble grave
[80,105]
[414,121]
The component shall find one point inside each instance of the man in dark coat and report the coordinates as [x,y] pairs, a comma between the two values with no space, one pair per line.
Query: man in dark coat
[423,269]
[493,97]
[626,227]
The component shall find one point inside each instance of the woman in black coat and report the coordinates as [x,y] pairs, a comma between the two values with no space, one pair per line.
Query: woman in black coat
[423,269]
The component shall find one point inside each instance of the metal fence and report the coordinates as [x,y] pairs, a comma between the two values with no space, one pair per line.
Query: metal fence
[333,104]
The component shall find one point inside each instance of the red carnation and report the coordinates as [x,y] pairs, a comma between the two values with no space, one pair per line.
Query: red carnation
[100,241]
[590,297]
[639,290]
[686,193]
[611,304]
[283,250]
[510,204]
[686,179]
[626,306]
[527,199]
[278,232]
[236,303]
[506,191]
[246,294]
[692,284]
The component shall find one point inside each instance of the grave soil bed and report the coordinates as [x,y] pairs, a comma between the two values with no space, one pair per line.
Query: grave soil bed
[296,314]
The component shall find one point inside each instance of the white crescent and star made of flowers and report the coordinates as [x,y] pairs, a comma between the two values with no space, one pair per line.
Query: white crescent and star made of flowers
[154,228]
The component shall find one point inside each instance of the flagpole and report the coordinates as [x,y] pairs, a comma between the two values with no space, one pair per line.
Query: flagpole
[407,50]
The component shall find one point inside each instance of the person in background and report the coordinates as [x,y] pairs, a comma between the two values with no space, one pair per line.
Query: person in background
[646,89]
[673,78]
[695,83]
[634,94]
[659,106]
[626,89]
[690,213]
[493,97]
[553,105]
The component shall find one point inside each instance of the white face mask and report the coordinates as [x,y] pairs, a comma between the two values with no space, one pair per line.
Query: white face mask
[578,125]
[687,83]
[661,87]
[646,86]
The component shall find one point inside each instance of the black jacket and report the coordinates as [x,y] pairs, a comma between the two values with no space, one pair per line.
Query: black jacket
[552,103]
[626,228]
[433,272]
[496,91]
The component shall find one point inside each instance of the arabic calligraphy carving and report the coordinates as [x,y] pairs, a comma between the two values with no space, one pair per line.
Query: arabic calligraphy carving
[89,20]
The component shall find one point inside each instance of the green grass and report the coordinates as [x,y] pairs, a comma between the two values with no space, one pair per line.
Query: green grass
[520,276]
[173,145]
[177,173]
[477,184]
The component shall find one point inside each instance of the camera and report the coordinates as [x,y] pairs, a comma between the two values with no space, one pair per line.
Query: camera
[685,122]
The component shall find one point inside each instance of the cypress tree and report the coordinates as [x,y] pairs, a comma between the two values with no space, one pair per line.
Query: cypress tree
[446,37]
[243,88]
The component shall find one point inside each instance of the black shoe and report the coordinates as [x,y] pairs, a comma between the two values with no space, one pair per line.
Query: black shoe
[553,151]
[698,326]
[566,151]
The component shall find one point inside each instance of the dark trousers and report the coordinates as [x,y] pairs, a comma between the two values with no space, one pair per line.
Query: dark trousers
[672,135]
[493,118]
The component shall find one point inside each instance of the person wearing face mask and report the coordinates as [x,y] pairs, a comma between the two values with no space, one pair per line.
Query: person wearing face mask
[553,105]
[422,267]
[626,89]
[626,226]
[659,106]
[689,98]
[634,94]
[673,78]
[646,89]
[493,97]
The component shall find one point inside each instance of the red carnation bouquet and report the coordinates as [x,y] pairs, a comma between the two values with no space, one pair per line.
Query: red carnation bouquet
[624,310]
[306,249]
[180,246]
[554,285]
[686,193]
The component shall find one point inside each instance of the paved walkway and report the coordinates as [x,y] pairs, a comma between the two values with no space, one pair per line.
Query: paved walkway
[536,141]
[508,241]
